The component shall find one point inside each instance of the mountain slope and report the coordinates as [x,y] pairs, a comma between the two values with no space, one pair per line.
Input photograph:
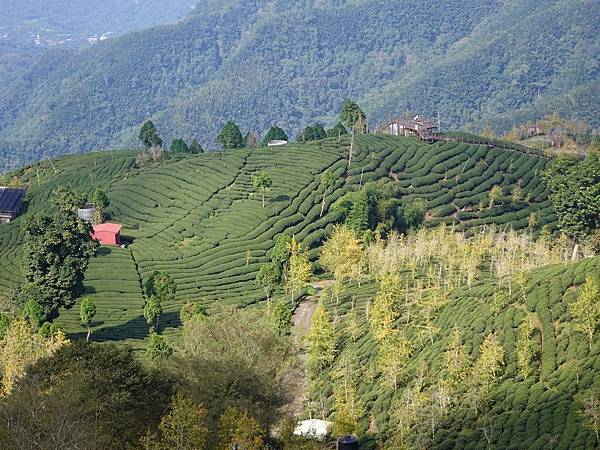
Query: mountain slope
[279,61]
[541,410]
[200,220]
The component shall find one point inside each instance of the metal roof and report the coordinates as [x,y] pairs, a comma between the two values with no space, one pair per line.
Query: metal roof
[107,227]
[10,199]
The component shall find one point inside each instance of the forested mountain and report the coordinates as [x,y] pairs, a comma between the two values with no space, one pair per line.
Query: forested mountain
[42,23]
[292,63]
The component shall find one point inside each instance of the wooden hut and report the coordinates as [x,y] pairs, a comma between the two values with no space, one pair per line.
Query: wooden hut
[11,202]
[415,126]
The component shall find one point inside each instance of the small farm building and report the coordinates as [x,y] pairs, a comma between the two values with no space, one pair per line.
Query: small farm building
[107,233]
[276,142]
[415,126]
[11,201]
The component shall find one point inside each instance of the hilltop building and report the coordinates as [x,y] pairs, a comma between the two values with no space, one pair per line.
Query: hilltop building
[107,233]
[416,126]
[11,202]
[276,142]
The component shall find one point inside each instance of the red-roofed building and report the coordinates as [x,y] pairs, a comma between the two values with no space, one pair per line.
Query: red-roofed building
[107,233]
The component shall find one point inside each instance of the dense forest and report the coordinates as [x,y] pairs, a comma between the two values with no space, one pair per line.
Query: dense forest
[266,62]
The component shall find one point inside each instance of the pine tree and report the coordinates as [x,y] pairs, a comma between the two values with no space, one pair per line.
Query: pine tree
[149,135]
[196,147]
[230,136]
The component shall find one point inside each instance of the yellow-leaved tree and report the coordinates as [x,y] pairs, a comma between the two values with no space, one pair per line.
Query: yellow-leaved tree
[343,256]
[21,347]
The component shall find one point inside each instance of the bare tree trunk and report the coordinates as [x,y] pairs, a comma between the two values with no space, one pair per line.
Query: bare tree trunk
[87,338]
[263,199]
[322,206]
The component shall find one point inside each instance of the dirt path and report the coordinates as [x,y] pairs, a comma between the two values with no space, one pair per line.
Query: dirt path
[300,325]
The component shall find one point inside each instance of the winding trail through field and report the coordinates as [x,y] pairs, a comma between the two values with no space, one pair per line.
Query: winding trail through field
[300,325]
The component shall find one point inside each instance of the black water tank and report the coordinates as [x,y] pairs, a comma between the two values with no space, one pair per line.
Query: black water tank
[347,443]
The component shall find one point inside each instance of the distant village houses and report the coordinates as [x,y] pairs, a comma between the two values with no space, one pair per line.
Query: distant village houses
[11,203]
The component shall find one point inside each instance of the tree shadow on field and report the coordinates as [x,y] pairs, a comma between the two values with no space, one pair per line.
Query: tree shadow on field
[136,328]
[281,198]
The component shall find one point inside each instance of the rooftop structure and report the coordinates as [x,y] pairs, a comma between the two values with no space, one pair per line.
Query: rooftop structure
[11,201]
[415,126]
[107,233]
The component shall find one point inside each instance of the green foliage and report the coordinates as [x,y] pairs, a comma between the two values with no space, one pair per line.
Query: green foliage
[262,181]
[353,116]
[239,429]
[71,102]
[33,313]
[179,146]
[282,319]
[268,277]
[236,361]
[321,339]
[314,132]
[149,135]
[208,236]
[4,324]
[586,309]
[158,349]
[87,312]
[181,428]
[101,386]
[575,193]
[191,311]
[195,147]
[100,198]
[414,213]
[274,133]
[57,252]
[337,131]
[152,311]
[162,286]
[230,136]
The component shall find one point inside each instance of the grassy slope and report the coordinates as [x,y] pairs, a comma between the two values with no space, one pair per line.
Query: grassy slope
[539,412]
[198,218]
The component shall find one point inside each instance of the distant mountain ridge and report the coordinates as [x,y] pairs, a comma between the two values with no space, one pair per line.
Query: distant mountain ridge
[478,63]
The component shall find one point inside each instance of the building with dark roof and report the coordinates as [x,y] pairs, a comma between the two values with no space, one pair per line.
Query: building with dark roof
[11,202]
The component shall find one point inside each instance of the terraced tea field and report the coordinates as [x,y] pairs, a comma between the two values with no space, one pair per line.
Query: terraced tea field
[199,218]
[542,410]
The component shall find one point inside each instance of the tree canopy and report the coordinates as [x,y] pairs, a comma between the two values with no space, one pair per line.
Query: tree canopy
[575,193]
[274,133]
[230,136]
[57,251]
[149,135]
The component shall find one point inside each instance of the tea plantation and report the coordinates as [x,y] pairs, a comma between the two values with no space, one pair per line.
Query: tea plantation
[200,219]
[540,410]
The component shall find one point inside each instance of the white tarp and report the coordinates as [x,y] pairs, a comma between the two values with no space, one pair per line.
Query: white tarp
[313,428]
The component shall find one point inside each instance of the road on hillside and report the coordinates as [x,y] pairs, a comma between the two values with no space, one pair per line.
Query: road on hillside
[300,325]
